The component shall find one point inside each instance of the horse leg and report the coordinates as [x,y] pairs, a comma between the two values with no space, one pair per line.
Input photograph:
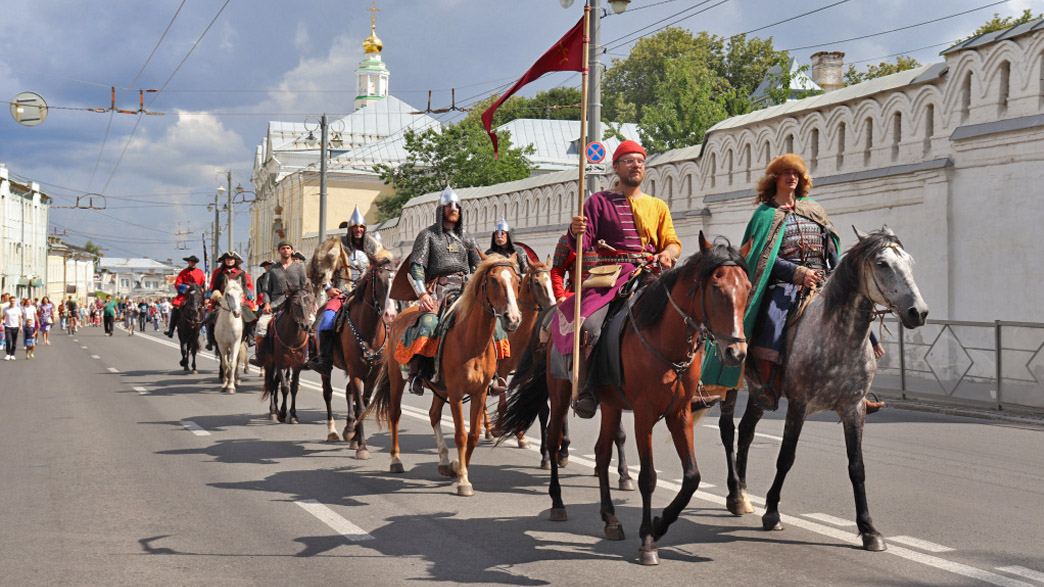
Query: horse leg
[246,364]
[435,417]
[358,435]
[284,389]
[486,423]
[647,553]
[559,392]
[872,539]
[680,425]
[545,461]
[785,460]
[192,349]
[295,381]
[272,389]
[331,431]
[563,454]
[626,482]
[603,454]
[727,430]
[748,424]
[465,442]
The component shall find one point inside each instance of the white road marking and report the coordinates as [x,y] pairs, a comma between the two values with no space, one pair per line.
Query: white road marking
[141,391]
[77,340]
[83,347]
[95,357]
[195,428]
[1023,572]
[920,544]
[331,519]
[113,369]
[845,536]
[834,521]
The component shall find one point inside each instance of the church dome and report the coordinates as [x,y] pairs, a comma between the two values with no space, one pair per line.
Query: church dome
[373,44]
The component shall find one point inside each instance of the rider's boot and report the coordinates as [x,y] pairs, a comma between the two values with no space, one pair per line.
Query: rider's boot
[322,362]
[703,399]
[416,377]
[767,396]
[210,320]
[256,360]
[872,405]
[174,312]
[586,403]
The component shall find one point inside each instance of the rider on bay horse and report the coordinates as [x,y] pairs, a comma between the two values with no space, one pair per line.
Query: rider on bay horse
[621,227]
[360,247]
[230,267]
[188,275]
[283,277]
[443,256]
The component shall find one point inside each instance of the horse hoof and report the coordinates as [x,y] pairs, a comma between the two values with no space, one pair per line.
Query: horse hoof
[273,418]
[545,464]
[231,391]
[627,485]
[558,515]
[465,490]
[353,444]
[349,435]
[333,437]
[523,443]
[614,531]
[648,557]
[194,372]
[563,462]
[446,471]
[281,419]
[362,455]
[874,543]
[489,435]
[770,521]
[735,505]
[293,421]
[396,468]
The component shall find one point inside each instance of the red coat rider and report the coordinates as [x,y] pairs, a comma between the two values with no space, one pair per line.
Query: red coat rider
[230,267]
[189,275]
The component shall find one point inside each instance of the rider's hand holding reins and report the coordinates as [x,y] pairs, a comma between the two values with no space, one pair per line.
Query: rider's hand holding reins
[266,309]
[427,304]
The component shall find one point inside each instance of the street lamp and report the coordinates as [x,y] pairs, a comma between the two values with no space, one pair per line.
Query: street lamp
[323,146]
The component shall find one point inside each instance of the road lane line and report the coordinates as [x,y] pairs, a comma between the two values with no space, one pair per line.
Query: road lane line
[83,347]
[331,519]
[141,391]
[833,521]
[1023,572]
[113,369]
[769,436]
[920,544]
[95,357]
[195,428]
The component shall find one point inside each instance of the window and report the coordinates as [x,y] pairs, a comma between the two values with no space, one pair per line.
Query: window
[1005,83]
[929,127]
[747,162]
[815,149]
[966,96]
[713,168]
[728,165]
[789,144]
[869,142]
[897,134]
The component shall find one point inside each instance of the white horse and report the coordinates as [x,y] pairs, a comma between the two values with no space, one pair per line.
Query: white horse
[228,332]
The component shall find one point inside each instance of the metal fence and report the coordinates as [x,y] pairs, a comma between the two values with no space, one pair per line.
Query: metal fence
[986,364]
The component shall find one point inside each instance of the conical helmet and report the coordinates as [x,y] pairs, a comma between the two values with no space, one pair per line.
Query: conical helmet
[448,196]
[356,219]
[502,226]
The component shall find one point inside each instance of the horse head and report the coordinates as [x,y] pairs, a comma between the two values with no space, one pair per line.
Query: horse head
[301,303]
[887,274]
[536,289]
[726,287]
[499,281]
[231,297]
[381,275]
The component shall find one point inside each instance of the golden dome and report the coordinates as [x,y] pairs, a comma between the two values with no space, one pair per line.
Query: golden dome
[372,44]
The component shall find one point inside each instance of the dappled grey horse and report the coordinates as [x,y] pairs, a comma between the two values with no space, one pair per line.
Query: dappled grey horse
[829,365]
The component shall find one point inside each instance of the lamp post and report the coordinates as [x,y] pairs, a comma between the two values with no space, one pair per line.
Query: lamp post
[324,127]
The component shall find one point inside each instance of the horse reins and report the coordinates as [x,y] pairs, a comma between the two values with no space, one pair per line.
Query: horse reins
[368,355]
[530,286]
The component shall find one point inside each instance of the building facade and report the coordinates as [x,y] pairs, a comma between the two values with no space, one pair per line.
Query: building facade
[23,236]
[947,155]
[136,277]
[70,271]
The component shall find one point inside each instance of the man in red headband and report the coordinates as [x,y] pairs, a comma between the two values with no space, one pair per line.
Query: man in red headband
[620,226]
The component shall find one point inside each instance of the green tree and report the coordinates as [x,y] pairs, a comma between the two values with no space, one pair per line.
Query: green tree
[997,23]
[94,250]
[902,63]
[691,100]
[460,155]
[555,104]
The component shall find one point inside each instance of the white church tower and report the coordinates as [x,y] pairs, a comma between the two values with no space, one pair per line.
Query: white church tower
[372,75]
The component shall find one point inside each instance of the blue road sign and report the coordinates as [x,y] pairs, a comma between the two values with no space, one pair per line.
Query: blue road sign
[595,152]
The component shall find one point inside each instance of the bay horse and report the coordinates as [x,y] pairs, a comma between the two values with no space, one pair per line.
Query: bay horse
[290,331]
[228,332]
[660,350]
[362,341]
[829,365]
[190,322]
[468,364]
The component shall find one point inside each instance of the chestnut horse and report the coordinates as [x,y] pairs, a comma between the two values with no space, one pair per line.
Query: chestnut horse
[290,330]
[362,341]
[468,364]
[660,350]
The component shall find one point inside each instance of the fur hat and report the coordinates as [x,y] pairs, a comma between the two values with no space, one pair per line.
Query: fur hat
[785,162]
[767,184]
[626,148]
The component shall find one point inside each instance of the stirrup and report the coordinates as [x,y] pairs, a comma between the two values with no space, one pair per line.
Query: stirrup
[498,386]
[417,385]
[764,405]
[586,405]
[704,403]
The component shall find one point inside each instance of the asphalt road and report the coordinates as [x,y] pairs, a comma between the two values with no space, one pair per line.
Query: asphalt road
[118,469]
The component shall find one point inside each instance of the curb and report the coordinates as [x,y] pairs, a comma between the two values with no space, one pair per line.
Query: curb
[1028,419]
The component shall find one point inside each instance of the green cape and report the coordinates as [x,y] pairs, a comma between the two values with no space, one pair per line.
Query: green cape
[765,231]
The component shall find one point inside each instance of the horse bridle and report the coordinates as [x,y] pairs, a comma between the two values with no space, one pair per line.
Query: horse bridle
[224,299]
[368,355]
[487,305]
[532,273]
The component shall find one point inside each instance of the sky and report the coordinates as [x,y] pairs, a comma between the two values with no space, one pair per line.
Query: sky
[225,69]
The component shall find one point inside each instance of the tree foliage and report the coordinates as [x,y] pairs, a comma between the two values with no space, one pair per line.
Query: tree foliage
[902,63]
[554,104]
[95,251]
[461,155]
[997,23]
[691,100]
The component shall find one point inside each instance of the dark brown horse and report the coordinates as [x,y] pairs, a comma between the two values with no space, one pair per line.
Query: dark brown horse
[469,363]
[660,351]
[289,331]
[190,322]
[362,341]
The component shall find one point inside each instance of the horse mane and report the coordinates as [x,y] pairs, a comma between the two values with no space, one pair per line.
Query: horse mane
[848,275]
[470,293]
[698,267]
[321,261]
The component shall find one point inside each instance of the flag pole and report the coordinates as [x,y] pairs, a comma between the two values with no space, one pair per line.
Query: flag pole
[578,269]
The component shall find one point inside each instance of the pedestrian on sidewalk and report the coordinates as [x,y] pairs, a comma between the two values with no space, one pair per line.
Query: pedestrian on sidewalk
[29,337]
[109,314]
[130,314]
[46,320]
[12,324]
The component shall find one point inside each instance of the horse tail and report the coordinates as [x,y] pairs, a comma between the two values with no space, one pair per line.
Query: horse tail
[381,402]
[527,393]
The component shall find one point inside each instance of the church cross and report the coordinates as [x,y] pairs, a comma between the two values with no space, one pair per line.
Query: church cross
[373,13]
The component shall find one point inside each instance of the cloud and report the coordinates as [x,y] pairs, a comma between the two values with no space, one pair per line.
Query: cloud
[297,89]
[189,152]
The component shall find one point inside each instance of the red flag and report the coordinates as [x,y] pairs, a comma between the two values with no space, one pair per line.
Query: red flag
[566,55]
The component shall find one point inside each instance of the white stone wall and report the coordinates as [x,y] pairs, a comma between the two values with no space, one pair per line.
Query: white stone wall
[950,158]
